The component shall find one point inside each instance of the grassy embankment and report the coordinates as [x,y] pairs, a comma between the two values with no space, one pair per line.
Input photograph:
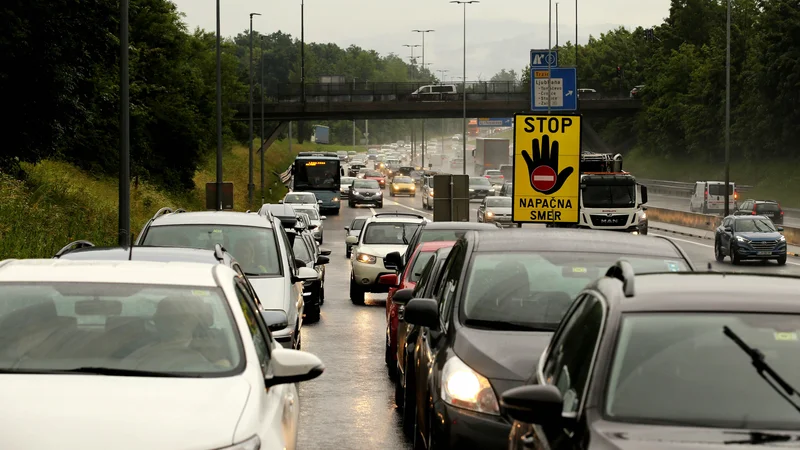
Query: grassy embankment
[59,203]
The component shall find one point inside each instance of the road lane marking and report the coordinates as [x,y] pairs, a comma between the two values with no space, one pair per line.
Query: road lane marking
[705,245]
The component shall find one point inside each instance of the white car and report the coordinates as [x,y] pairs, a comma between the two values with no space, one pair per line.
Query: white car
[382,234]
[494,176]
[301,198]
[260,245]
[141,355]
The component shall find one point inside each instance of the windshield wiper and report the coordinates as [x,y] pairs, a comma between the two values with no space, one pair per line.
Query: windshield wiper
[506,325]
[762,367]
[405,240]
[758,438]
[103,371]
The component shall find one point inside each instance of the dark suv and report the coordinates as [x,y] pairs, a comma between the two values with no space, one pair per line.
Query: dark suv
[768,208]
[749,237]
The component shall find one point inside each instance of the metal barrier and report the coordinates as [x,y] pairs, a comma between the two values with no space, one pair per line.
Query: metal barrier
[678,188]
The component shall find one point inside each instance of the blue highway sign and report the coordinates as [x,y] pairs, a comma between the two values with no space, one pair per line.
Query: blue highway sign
[543,58]
[563,92]
[483,122]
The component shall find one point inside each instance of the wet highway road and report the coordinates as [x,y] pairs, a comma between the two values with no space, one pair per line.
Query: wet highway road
[352,404]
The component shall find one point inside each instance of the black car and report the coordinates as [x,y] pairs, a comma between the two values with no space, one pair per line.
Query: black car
[353,170]
[427,287]
[769,208]
[365,192]
[479,187]
[503,295]
[508,189]
[749,237]
[308,252]
[666,361]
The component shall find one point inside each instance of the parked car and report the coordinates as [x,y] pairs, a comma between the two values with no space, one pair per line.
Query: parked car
[749,237]
[665,361]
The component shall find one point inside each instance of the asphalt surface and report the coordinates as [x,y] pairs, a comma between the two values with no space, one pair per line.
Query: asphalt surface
[352,404]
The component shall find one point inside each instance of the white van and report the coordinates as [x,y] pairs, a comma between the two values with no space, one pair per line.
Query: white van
[709,197]
[434,92]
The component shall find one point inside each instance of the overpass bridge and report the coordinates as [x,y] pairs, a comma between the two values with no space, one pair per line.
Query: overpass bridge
[378,100]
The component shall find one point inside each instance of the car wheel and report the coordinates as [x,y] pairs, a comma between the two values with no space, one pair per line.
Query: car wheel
[734,257]
[356,293]
[321,237]
[782,260]
[351,204]
[380,205]
[347,253]
[312,314]
[718,251]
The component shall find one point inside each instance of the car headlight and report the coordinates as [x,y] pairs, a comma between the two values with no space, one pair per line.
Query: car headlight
[644,216]
[254,443]
[366,259]
[741,239]
[489,214]
[380,193]
[355,193]
[472,190]
[782,239]
[394,187]
[335,199]
[413,188]
[464,388]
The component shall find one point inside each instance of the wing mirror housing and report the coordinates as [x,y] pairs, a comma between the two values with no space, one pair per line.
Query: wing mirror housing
[292,366]
[389,279]
[393,261]
[280,201]
[539,404]
[299,263]
[322,260]
[325,252]
[779,228]
[305,274]
[728,229]
[352,240]
[423,312]
[323,217]
[276,319]
[403,296]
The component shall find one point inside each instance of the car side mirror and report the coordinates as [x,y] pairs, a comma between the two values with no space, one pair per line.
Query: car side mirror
[393,261]
[539,404]
[319,202]
[292,366]
[423,312]
[728,229]
[305,274]
[325,252]
[280,201]
[323,217]
[779,228]
[322,260]
[351,240]
[388,279]
[299,263]
[275,319]
[403,296]
[346,228]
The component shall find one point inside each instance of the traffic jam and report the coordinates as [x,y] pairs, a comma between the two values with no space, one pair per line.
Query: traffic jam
[218,329]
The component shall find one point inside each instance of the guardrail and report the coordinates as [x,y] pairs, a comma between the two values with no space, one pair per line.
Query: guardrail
[678,188]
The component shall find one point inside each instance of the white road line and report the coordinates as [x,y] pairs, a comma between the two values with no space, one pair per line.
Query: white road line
[704,245]
[372,210]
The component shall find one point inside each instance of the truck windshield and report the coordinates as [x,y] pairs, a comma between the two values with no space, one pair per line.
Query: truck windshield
[319,174]
[609,196]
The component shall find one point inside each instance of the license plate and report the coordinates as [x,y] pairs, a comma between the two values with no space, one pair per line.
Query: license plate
[764,253]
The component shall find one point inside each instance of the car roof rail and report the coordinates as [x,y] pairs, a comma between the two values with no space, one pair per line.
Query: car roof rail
[623,271]
[73,246]
[219,252]
[396,213]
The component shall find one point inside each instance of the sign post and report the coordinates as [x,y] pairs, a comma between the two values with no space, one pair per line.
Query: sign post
[554,89]
[547,155]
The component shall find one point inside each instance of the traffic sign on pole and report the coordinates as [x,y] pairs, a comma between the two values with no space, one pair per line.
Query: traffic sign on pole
[547,155]
[544,58]
[559,84]
[486,122]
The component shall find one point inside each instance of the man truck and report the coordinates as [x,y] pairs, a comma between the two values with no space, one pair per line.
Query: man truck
[490,154]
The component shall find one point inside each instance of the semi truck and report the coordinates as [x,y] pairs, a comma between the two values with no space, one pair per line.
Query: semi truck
[610,198]
[490,154]
[321,135]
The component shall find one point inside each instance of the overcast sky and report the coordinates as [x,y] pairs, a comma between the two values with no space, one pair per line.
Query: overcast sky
[500,33]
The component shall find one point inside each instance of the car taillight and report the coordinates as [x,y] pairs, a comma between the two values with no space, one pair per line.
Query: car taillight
[487,176]
[735,195]
[705,195]
[502,176]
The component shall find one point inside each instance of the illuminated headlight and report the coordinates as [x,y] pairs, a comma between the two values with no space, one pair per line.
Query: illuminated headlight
[254,443]
[395,187]
[380,193]
[355,192]
[464,388]
[741,239]
[643,217]
[782,239]
[413,188]
[366,259]
[335,199]
[472,190]
[489,214]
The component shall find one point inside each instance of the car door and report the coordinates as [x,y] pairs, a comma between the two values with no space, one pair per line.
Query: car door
[430,355]
[294,289]
[726,236]
[278,408]
[568,366]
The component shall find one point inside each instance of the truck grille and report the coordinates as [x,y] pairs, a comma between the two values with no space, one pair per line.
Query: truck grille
[616,220]
[763,245]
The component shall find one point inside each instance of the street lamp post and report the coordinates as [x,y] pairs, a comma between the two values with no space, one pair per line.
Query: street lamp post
[219,111]
[124,206]
[250,185]
[263,149]
[442,73]
[354,120]
[464,86]
[728,115]
[412,47]
[424,144]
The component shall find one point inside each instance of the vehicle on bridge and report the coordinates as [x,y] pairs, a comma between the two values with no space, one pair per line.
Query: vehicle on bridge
[320,173]
[472,127]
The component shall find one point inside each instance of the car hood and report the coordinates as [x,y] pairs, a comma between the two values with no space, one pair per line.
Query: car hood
[501,355]
[381,250]
[650,437]
[759,236]
[103,412]
[499,210]
[271,291]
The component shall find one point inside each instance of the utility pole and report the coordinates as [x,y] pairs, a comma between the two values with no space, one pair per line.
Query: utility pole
[219,112]
[302,66]
[549,48]
[263,131]
[728,116]
[354,120]
[556,25]
[124,229]
[424,143]
[250,185]
[464,88]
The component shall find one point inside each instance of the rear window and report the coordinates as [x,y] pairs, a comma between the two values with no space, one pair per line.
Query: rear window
[493,172]
[767,207]
[719,189]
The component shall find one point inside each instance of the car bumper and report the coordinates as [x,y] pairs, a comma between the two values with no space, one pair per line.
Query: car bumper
[457,428]
[367,275]
[405,191]
[361,200]
[747,252]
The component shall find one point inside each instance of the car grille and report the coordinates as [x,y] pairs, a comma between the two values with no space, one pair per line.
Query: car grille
[502,217]
[616,220]
[763,245]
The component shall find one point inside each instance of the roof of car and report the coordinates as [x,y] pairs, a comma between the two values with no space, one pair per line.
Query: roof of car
[143,253]
[133,272]
[459,226]
[390,218]
[278,209]
[750,217]
[710,291]
[579,241]
[432,246]
[213,217]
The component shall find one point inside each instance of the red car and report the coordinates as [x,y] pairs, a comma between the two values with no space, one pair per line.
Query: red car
[407,280]
[377,176]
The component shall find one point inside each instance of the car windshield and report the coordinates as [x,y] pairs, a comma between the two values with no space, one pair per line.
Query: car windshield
[754,226]
[254,248]
[385,233]
[609,196]
[493,172]
[366,184]
[498,202]
[767,207]
[664,362]
[312,213]
[300,198]
[535,289]
[403,180]
[347,181]
[301,250]
[137,330]
[478,181]
[419,266]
